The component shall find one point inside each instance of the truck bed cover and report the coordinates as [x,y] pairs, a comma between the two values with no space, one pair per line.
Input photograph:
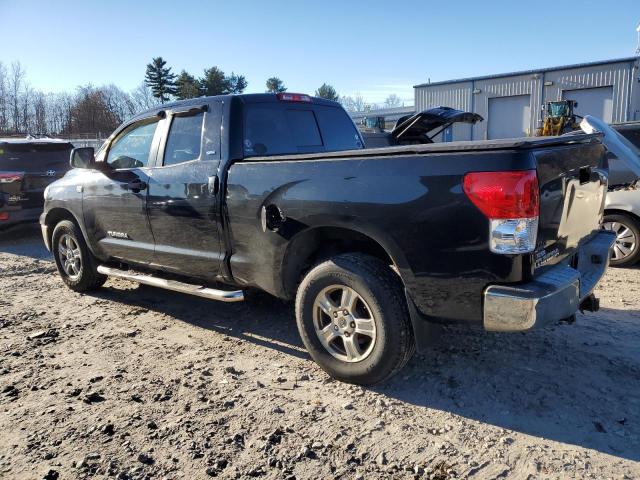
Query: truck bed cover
[524,143]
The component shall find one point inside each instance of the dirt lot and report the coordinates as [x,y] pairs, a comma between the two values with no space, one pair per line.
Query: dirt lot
[135,382]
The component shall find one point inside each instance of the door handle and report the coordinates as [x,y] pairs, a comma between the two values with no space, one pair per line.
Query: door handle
[136,185]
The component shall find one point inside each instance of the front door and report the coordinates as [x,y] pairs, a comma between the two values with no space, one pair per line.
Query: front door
[115,196]
[182,193]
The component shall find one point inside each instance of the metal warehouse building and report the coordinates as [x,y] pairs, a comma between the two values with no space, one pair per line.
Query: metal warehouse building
[511,103]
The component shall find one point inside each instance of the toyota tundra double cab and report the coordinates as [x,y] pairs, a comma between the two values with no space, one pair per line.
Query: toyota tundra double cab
[375,246]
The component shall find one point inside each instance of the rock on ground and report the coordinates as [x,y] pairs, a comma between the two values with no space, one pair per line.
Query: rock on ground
[132,382]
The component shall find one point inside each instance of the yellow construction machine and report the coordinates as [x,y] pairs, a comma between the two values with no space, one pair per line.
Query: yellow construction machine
[559,118]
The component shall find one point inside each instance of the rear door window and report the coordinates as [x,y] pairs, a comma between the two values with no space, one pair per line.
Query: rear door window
[278,130]
[184,140]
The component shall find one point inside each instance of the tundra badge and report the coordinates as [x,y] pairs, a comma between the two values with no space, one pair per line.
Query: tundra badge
[118,235]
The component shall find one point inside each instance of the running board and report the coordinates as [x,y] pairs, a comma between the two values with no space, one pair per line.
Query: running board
[197,290]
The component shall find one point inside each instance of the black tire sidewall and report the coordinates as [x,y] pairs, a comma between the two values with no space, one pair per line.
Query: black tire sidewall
[87,276]
[634,225]
[385,308]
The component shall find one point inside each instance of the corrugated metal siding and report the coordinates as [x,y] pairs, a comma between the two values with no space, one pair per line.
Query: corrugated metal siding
[617,75]
[455,96]
[505,87]
[622,76]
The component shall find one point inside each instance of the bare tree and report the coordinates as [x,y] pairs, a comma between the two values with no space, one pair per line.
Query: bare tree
[142,98]
[16,79]
[118,102]
[4,99]
[392,101]
[354,104]
[40,112]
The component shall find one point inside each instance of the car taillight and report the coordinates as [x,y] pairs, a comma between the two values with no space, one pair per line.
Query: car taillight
[293,97]
[511,202]
[4,216]
[8,177]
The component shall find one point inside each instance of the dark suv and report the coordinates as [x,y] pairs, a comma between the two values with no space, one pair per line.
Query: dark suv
[27,166]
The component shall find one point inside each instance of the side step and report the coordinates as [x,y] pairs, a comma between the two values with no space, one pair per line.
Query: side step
[197,290]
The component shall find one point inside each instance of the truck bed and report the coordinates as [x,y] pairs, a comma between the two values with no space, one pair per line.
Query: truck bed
[524,143]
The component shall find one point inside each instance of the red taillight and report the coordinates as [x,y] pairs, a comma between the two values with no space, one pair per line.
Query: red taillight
[4,216]
[293,97]
[8,177]
[504,194]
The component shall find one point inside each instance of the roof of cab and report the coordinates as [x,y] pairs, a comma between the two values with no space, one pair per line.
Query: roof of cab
[29,140]
[243,97]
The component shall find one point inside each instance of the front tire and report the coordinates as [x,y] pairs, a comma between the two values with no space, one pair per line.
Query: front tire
[76,265]
[352,316]
[626,249]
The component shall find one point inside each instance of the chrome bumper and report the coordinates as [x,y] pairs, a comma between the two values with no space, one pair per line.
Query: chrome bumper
[554,295]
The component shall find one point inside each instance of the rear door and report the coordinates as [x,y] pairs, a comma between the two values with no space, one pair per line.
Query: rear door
[183,210]
[115,196]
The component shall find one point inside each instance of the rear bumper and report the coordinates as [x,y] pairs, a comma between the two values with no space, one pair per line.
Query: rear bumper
[19,215]
[554,295]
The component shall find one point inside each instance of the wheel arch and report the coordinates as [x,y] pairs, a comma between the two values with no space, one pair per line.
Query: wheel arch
[58,214]
[618,211]
[319,243]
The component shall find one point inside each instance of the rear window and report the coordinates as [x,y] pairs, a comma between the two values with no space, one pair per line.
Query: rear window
[279,130]
[34,157]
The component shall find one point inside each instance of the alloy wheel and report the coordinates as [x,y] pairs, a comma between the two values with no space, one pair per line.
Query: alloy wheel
[626,241]
[344,323]
[70,256]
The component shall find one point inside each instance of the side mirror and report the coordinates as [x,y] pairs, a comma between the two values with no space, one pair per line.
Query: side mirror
[82,158]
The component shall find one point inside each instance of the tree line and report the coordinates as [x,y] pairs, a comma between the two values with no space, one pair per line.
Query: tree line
[91,110]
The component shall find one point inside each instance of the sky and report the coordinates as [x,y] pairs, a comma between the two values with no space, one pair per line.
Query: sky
[371,47]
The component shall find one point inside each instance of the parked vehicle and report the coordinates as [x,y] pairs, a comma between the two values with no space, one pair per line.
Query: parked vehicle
[420,128]
[27,166]
[622,206]
[376,246]
[629,130]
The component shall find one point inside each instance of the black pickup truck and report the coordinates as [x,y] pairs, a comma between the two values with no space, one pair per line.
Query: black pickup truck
[376,246]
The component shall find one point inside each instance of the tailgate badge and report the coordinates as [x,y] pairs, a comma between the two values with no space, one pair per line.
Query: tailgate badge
[51,173]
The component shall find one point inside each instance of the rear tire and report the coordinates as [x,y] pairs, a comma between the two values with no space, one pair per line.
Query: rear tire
[626,250]
[353,318]
[76,264]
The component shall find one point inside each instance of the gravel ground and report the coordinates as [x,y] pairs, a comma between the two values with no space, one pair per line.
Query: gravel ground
[135,382]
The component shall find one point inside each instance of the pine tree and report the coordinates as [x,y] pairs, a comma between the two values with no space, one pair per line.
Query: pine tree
[187,86]
[328,92]
[214,82]
[160,79]
[236,83]
[275,85]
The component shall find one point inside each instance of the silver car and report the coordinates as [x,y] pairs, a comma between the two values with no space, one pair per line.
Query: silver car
[622,205]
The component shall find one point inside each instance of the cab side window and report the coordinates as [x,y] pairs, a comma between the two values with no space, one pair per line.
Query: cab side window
[184,140]
[131,148]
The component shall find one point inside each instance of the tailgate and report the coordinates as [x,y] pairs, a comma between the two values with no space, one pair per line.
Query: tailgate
[573,184]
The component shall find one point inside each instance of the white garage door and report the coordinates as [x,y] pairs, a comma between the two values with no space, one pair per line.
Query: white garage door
[509,117]
[592,101]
